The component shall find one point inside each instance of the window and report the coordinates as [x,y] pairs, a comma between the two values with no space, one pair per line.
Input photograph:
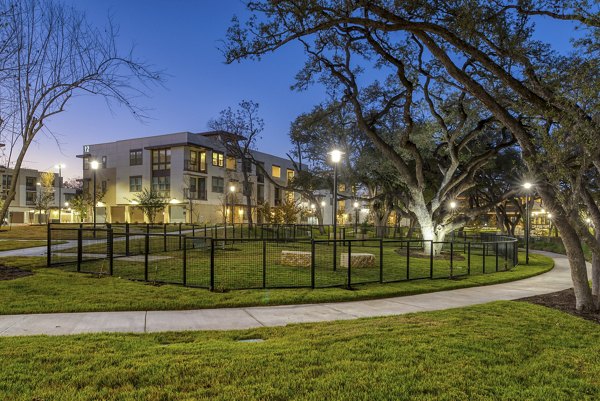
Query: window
[260,177]
[231,163]
[218,184]
[341,187]
[135,183]
[289,196]
[86,163]
[197,189]
[197,161]
[135,157]
[161,159]
[162,186]
[103,161]
[6,181]
[277,196]
[202,188]
[103,187]
[290,174]
[276,171]
[30,183]
[260,193]
[217,159]
[30,197]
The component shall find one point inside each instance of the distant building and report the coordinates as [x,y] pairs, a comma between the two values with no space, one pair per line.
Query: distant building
[191,171]
[24,207]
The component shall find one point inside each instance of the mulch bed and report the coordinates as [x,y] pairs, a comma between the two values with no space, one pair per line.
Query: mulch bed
[11,273]
[563,301]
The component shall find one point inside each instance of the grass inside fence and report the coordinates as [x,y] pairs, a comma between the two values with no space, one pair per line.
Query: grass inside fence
[496,351]
[253,264]
[59,290]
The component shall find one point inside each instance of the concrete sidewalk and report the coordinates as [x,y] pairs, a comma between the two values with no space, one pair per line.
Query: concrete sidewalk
[557,279]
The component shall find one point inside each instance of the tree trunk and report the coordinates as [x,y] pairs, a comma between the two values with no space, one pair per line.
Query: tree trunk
[248,193]
[596,274]
[583,294]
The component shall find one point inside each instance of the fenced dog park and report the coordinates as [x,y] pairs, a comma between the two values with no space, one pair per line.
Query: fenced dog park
[299,256]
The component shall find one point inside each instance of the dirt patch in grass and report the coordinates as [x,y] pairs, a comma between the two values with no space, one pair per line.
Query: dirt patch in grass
[11,273]
[563,301]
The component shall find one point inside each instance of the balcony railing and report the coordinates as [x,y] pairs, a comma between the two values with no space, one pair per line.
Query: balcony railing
[194,166]
[198,195]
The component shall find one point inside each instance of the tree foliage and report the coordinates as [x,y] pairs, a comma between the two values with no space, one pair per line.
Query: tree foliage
[484,50]
[50,53]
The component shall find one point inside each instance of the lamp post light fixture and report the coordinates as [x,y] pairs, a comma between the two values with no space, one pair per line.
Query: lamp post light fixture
[336,157]
[59,166]
[232,191]
[94,165]
[527,187]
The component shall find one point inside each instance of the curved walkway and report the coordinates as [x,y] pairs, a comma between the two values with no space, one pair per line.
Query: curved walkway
[557,279]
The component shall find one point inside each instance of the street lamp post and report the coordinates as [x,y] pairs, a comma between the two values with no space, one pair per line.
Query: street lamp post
[527,187]
[59,166]
[232,190]
[355,217]
[94,166]
[336,156]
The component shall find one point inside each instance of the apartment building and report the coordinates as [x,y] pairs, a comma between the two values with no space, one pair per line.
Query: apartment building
[199,181]
[24,207]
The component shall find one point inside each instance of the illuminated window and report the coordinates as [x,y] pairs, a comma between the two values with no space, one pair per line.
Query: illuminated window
[217,159]
[276,171]
[290,174]
[231,163]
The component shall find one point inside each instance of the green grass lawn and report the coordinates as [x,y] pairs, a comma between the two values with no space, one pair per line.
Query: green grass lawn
[39,232]
[56,290]
[556,246]
[496,351]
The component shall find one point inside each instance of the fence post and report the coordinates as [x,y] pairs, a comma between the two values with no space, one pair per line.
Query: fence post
[381,260]
[126,239]
[349,265]
[146,251]
[165,237]
[335,252]
[469,258]
[49,246]
[483,253]
[431,260]
[312,263]
[79,248]
[505,256]
[110,250]
[407,260]
[496,249]
[184,260]
[451,259]
[179,236]
[212,264]
[264,264]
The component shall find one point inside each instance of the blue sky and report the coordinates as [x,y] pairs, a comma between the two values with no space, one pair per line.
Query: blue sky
[182,37]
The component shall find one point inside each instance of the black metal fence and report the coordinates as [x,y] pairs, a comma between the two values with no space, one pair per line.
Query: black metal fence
[197,259]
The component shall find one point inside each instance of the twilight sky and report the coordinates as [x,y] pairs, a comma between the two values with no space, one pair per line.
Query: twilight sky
[181,37]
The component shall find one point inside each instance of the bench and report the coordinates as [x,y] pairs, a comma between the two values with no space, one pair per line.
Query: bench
[296,258]
[358,260]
